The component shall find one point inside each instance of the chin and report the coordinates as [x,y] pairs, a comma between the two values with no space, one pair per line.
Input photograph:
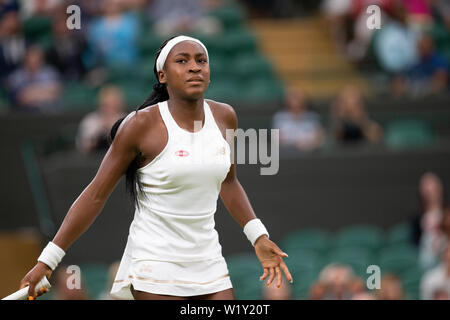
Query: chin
[195,93]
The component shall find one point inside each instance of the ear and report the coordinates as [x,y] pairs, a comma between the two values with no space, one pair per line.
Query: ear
[162,77]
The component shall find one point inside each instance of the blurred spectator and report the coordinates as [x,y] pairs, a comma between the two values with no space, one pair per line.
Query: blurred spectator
[136,4]
[436,282]
[183,16]
[350,122]
[434,241]
[66,50]
[29,8]
[441,11]
[337,13]
[336,282]
[35,87]
[430,74]
[431,198]
[444,226]
[396,33]
[65,286]
[95,126]
[112,37]
[262,8]
[418,13]
[12,42]
[391,288]
[299,127]
[425,225]
[441,294]
[361,36]
[90,9]
[364,296]
[274,293]
[347,22]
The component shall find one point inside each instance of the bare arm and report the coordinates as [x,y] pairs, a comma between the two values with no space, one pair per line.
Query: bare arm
[232,193]
[91,201]
[238,205]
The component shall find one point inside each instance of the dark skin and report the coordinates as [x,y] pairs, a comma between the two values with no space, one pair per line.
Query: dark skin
[186,73]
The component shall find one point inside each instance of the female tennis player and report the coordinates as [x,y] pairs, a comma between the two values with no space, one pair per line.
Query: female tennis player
[174,174]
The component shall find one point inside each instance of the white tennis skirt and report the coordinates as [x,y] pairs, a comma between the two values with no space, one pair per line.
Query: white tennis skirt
[182,279]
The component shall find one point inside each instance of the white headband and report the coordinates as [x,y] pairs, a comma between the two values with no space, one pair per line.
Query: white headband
[166,50]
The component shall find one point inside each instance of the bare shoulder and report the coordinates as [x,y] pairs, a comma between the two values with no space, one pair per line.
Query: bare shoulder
[224,113]
[136,124]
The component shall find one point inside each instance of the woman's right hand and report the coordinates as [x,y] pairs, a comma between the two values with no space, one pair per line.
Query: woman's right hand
[34,276]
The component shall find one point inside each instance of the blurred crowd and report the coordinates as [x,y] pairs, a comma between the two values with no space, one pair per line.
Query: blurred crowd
[411,44]
[349,123]
[35,70]
[428,234]
[412,47]
[34,66]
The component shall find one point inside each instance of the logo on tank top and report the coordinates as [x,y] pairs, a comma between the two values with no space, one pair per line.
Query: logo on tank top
[181,153]
[221,151]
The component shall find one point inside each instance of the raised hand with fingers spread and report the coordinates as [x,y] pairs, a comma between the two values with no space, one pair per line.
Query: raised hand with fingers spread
[271,258]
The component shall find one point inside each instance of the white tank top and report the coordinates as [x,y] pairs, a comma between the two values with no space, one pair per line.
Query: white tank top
[175,221]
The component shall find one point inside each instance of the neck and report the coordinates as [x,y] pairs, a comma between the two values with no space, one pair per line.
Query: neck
[447,269]
[432,206]
[190,108]
[186,111]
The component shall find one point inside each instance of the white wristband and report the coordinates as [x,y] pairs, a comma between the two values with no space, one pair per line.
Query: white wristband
[254,229]
[51,255]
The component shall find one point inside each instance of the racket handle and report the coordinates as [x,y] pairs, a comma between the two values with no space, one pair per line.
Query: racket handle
[22,294]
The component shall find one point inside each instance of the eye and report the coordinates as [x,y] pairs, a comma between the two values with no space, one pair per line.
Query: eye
[180,61]
[202,60]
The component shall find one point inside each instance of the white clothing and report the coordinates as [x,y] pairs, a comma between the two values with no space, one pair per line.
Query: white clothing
[173,228]
[433,280]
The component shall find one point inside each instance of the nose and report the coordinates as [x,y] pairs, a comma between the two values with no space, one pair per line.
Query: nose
[194,67]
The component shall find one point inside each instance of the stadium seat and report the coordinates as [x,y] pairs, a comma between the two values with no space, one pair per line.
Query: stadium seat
[148,44]
[302,284]
[245,270]
[398,258]
[243,265]
[219,69]
[248,67]
[358,258]
[304,266]
[95,278]
[37,27]
[134,93]
[223,90]
[249,289]
[408,133]
[441,37]
[303,260]
[231,45]
[138,73]
[263,90]
[145,71]
[144,21]
[231,16]
[317,240]
[411,283]
[365,236]
[79,97]
[398,234]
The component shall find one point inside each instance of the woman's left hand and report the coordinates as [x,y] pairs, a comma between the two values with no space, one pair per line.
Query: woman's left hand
[270,257]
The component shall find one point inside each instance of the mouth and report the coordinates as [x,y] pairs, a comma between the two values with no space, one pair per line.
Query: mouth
[195,80]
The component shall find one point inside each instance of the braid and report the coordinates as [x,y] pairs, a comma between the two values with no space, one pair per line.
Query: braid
[158,94]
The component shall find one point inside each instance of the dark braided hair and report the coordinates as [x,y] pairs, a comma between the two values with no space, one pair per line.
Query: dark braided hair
[158,94]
